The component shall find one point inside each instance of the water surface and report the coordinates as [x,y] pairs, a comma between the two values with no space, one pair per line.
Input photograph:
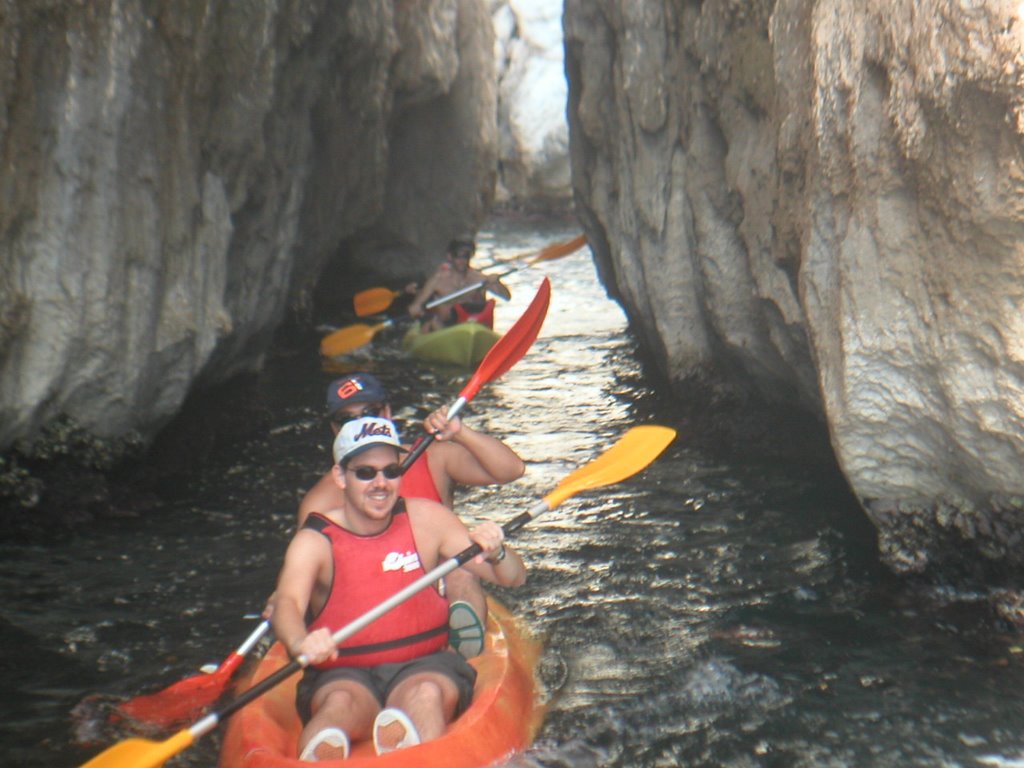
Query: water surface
[723,608]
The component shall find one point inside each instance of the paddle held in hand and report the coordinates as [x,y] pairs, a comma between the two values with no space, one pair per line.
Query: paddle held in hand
[505,353]
[185,700]
[632,453]
[373,301]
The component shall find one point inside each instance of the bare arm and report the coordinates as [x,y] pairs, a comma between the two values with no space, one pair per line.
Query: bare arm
[498,288]
[470,457]
[441,534]
[322,497]
[307,555]
[490,283]
[428,290]
[499,563]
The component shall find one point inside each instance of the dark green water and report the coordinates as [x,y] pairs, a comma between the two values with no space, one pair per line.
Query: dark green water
[724,608]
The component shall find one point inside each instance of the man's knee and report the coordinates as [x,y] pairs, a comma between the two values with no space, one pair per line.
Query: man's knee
[426,691]
[339,698]
[343,698]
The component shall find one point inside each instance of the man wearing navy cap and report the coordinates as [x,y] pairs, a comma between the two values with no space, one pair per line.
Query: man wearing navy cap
[354,389]
[459,455]
[394,680]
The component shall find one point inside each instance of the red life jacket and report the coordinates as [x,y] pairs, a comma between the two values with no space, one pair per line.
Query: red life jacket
[367,571]
[417,482]
[484,316]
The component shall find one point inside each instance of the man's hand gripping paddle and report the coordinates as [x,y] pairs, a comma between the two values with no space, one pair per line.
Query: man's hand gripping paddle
[352,337]
[373,301]
[632,453]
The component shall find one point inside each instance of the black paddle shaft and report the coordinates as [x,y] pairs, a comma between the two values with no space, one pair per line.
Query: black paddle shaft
[424,442]
[417,450]
[259,689]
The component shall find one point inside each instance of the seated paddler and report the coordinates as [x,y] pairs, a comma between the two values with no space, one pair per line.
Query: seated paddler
[395,681]
[451,276]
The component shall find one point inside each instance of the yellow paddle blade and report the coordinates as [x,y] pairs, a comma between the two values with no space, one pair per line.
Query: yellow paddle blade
[142,753]
[373,301]
[351,337]
[634,451]
[547,253]
[558,250]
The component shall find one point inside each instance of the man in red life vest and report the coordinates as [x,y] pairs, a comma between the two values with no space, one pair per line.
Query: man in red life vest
[393,681]
[458,455]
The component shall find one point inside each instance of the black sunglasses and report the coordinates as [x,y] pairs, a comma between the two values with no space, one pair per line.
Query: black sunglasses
[366,474]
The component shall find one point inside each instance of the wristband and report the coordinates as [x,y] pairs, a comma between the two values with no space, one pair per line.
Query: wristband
[498,557]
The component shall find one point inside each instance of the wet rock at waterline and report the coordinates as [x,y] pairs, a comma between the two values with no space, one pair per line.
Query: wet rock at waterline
[174,179]
[818,203]
[821,202]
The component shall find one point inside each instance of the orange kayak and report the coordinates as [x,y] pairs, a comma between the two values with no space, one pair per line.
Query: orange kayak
[503,718]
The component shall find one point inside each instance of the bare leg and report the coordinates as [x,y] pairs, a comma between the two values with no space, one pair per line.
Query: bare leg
[429,699]
[462,585]
[431,323]
[343,704]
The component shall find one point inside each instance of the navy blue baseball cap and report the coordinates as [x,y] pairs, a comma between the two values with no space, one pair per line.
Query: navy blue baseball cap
[353,389]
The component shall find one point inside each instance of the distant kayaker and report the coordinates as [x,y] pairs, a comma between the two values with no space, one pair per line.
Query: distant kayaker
[393,681]
[453,274]
[459,455]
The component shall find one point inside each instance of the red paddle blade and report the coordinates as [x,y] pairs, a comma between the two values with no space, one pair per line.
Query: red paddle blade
[183,701]
[511,347]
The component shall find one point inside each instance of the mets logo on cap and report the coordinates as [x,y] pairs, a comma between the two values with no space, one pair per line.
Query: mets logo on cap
[361,434]
[372,429]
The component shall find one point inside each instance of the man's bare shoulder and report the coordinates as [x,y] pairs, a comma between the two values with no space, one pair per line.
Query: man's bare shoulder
[324,495]
[308,542]
[418,506]
[427,512]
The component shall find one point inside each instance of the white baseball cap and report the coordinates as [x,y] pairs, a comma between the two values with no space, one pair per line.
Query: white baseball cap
[361,434]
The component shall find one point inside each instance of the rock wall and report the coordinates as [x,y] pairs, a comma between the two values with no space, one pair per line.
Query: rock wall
[822,201]
[815,201]
[173,176]
[533,128]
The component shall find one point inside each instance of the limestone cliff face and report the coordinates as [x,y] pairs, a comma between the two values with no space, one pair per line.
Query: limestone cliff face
[826,200]
[534,134]
[174,175]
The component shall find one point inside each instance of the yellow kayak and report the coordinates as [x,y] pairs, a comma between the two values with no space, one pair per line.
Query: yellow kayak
[464,344]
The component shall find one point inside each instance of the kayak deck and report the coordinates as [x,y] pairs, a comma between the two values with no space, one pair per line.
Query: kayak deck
[503,718]
[464,344]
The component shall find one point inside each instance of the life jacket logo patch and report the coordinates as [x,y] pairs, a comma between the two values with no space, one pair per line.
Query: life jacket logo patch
[397,561]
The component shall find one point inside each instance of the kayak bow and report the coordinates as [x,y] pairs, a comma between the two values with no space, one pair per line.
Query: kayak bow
[464,345]
[503,718]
